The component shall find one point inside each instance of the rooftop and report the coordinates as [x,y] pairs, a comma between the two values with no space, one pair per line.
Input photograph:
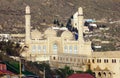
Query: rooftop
[106,54]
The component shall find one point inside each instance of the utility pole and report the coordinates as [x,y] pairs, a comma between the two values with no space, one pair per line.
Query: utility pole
[44,73]
[20,67]
[20,61]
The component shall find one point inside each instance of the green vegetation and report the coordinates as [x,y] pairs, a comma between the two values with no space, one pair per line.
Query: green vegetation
[10,48]
[64,72]
[15,68]
[44,67]
[35,67]
[89,71]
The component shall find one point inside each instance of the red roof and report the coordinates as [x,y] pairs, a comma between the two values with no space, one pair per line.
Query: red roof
[1,73]
[6,72]
[81,76]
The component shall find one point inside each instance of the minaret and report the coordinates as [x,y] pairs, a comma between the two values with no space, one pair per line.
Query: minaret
[80,31]
[80,24]
[27,25]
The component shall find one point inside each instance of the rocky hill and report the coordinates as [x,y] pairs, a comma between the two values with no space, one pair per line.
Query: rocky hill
[44,12]
[12,11]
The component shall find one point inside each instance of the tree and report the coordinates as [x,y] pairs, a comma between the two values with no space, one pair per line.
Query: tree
[68,25]
[62,25]
[89,71]
[42,67]
[55,21]
[86,24]
[64,72]
[10,48]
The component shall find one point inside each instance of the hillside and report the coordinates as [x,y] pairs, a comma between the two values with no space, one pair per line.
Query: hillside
[44,12]
[12,11]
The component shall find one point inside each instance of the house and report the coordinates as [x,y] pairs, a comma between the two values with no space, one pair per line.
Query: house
[4,73]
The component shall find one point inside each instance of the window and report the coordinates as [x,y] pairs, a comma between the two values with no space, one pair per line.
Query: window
[99,74]
[66,59]
[85,60]
[98,60]
[71,59]
[74,59]
[60,58]
[75,24]
[53,58]
[104,74]
[105,60]
[55,48]
[88,60]
[78,60]
[75,49]
[33,48]
[44,49]
[113,60]
[65,49]
[39,48]
[93,61]
[70,49]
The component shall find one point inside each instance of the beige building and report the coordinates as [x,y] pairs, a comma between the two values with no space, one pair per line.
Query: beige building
[64,49]
[106,64]
[58,50]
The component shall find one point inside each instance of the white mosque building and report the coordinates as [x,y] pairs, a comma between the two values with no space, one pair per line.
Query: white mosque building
[66,50]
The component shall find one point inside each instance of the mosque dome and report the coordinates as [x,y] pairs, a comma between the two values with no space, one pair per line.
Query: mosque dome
[35,34]
[67,35]
[24,51]
[23,54]
[50,33]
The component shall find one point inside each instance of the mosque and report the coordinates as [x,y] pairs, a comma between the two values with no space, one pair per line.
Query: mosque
[64,49]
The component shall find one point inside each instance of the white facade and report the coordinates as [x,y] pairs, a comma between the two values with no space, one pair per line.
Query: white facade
[47,45]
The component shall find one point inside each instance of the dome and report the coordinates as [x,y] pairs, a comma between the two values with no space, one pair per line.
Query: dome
[67,35]
[75,15]
[24,54]
[35,34]
[50,33]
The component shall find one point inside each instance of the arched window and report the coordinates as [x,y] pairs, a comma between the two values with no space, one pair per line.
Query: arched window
[109,74]
[98,60]
[65,49]
[88,60]
[55,48]
[104,74]
[105,60]
[54,58]
[70,49]
[39,48]
[75,49]
[113,60]
[44,49]
[99,74]
[33,48]
[93,61]
[74,59]
[66,58]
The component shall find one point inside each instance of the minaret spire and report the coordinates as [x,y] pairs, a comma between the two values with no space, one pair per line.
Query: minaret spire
[80,24]
[27,24]
[27,9]
[80,31]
